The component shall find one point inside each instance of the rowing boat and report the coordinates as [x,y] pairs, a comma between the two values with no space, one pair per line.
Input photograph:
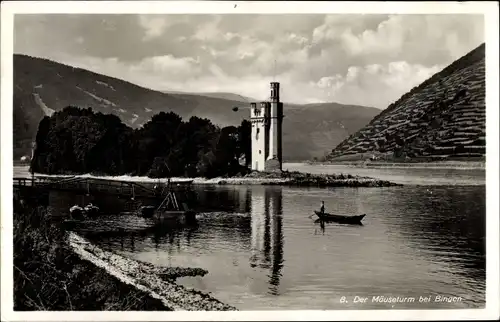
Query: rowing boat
[339,218]
[169,211]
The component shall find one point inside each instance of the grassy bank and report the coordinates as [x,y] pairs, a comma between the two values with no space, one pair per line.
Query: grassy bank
[57,270]
[48,275]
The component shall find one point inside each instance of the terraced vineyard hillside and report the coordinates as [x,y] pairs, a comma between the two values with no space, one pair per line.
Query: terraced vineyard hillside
[442,118]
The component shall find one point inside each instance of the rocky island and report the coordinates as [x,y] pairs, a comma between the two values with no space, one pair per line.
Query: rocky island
[301,179]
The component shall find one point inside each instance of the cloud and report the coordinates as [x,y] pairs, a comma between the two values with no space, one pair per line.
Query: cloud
[180,69]
[371,85]
[375,84]
[154,26]
[357,59]
[418,38]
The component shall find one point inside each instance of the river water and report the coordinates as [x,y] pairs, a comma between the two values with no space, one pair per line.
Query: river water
[263,252]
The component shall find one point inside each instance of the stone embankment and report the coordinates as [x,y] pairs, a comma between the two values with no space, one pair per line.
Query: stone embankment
[159,282]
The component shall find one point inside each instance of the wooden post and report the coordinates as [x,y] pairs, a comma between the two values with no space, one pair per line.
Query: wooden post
[176,205]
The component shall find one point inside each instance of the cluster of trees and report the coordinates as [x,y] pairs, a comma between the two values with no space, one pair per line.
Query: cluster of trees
[76,140]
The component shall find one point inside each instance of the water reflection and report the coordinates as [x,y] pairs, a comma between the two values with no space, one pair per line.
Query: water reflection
[450,222]
[173,235]
[229,199]
[267,233]
[201,199]
[254,226]
[61,201]
[415,241]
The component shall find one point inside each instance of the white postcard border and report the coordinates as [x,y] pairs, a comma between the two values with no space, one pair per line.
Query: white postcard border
[490,11]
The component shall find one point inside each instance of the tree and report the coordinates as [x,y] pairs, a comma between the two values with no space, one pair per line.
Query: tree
[244,141]
[80,141]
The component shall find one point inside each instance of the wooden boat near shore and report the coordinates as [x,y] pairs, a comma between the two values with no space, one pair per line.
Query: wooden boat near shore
[77,212]
[353,220]
[169,211]
[175,216]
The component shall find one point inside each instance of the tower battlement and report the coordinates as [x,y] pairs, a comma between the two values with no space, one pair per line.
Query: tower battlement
[262,110]
[275,92]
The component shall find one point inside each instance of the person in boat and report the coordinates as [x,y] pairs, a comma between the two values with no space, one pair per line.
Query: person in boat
[322,209]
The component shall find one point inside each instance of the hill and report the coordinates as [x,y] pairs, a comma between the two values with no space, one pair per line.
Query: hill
[42,86]
[442,118]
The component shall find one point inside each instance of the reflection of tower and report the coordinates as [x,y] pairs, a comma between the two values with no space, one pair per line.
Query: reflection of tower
[266,134]
[258,214]
[267,233]
[276,239]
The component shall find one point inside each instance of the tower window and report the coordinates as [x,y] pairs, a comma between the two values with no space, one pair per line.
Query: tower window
[260,151]
[257,133]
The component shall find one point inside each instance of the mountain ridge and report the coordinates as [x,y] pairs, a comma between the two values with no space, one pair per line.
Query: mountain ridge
[42,86]
[221,95]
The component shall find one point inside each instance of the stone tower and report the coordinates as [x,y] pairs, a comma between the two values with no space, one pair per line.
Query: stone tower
[267,122]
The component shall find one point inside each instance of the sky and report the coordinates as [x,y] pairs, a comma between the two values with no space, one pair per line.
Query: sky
[368,59]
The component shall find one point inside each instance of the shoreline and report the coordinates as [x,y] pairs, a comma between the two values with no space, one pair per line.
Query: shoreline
[56,269]
[157,282]
[284,178]
[50,276]
[444,164]
[448,165]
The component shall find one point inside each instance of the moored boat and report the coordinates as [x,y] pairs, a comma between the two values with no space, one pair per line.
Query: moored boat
[170,210]
[178,216]
[355,220]
[147,211]
[91,210]
[77,212]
